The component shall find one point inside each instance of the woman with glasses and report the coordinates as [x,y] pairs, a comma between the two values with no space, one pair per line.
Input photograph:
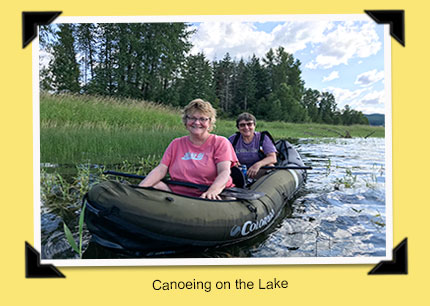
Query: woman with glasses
[248,149]
[200,157]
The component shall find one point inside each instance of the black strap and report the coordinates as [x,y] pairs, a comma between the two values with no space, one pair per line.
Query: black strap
[268,135]
[261,153]
[235,140]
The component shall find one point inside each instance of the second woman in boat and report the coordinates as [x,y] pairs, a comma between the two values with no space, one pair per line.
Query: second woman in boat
[248,148]
[200,157]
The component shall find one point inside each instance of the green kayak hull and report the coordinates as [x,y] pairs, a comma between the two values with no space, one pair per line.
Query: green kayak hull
[128,217]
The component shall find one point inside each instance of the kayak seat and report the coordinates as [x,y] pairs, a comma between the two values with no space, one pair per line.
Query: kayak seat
[239,179]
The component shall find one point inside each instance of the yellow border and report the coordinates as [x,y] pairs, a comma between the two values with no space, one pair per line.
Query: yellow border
[321,285]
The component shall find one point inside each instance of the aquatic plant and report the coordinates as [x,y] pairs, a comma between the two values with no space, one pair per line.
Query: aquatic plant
[69,234]
[142,167]
[328,168]
[348,181]
[82,181]
[372,182]
[56,194]
[372,179]
[378,220]
[60,191]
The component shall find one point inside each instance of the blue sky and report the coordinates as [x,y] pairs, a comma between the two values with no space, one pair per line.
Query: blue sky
[345,57]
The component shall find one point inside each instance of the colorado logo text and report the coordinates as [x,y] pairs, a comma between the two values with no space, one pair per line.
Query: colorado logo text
[250,226]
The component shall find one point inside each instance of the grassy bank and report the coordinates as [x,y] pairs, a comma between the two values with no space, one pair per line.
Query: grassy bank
[85,129]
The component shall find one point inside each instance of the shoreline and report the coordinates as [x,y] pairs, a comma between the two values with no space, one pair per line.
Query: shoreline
[86,129]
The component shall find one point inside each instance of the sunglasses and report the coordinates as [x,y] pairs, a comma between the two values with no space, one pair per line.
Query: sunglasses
[201,119]
[249,124]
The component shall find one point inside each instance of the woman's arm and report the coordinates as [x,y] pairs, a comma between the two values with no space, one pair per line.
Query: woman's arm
[268,160]
[223,174]
[155,176]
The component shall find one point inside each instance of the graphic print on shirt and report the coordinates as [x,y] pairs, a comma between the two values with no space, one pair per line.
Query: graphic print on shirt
[193,156]
[247,150]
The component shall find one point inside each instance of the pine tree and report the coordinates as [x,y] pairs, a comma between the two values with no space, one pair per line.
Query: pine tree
[287,86]
[196,80]
[327,108]
[164,46]
[262,86]
[64,68]
[245,88]
[86,44]
[223,78]
[310,102]
[103,82]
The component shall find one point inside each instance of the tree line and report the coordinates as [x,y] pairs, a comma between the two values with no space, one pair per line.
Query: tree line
[151,61]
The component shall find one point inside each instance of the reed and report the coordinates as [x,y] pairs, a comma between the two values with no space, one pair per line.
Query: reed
[69,235]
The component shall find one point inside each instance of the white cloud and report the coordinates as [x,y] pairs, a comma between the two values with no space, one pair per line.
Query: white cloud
[360,99]
[373,102]
[242,39]
[374,97]
[332,76]
[370,77]
[347,41]
[344,96]
[239,39]
[295,36]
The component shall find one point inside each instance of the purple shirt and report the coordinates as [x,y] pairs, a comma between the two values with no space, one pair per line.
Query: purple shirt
[247,153]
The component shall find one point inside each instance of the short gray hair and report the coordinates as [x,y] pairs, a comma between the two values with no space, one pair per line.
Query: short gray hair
[245,117]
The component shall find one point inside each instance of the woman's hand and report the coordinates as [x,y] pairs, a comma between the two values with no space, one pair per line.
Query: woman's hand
[253,170]
[211,194]
[268,160]
[223,170]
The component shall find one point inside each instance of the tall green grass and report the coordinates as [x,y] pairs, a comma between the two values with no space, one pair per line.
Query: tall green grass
[87,129]
[106,113]
[100,146]
[80,129]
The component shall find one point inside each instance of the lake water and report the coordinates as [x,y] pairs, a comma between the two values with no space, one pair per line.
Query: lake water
[341,209]
[339,212]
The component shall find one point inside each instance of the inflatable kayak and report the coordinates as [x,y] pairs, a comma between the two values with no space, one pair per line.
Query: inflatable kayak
[131,218]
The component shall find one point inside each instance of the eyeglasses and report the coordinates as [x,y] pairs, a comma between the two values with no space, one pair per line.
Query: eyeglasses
[201,119]
[249,124]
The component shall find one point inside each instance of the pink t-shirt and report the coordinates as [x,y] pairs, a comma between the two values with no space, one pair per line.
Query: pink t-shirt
[197,164]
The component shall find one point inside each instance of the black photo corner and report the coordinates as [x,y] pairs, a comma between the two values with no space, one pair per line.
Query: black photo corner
[399,264]
[33,267]
[395,18]
[30,21]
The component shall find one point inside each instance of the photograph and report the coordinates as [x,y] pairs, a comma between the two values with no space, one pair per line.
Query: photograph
[213,140]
